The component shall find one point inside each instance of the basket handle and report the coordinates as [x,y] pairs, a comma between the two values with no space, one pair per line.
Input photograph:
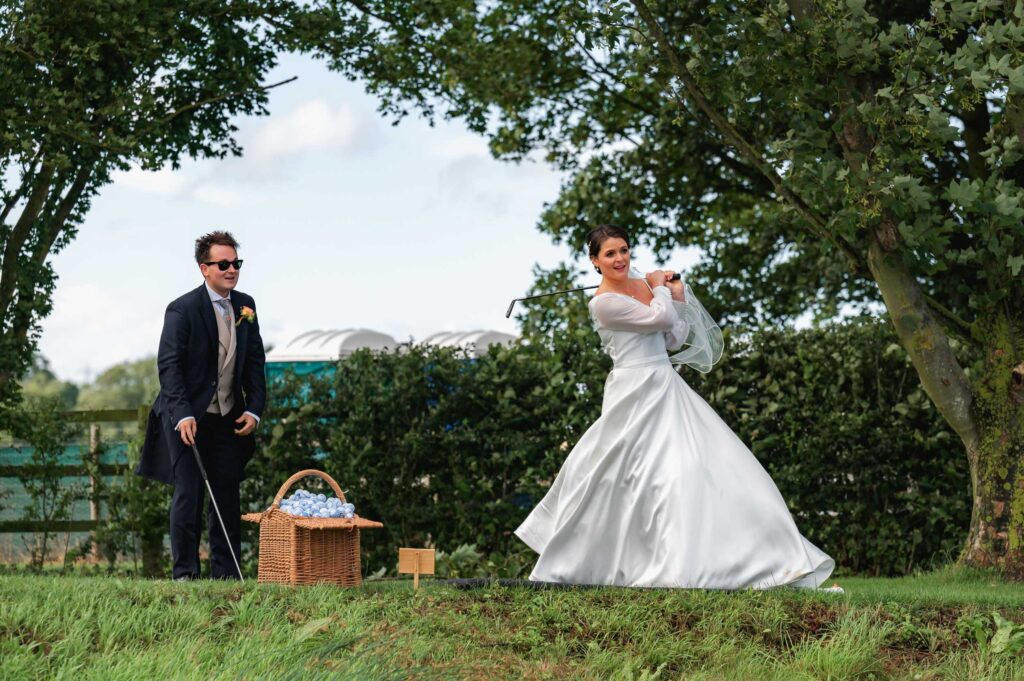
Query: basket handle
[299,476]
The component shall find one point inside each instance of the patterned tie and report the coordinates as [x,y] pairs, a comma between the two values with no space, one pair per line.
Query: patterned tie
[224,313]
[222,400]
[224,308]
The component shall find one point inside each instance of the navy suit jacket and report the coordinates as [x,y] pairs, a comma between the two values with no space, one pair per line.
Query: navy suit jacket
[187,363]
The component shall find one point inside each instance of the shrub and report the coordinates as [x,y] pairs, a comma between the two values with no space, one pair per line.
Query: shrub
[836,415]
[447,449]
[41,425]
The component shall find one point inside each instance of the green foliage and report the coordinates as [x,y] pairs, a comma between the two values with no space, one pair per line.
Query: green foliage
[443,448]
[447,450]
[94,87]
[905,110]
[136,518]
[41,425]
[464,561]
[124,385]
[836,416]
[1006,638]
[41,383]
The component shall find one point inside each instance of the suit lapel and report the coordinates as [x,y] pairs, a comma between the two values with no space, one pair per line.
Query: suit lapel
[206,312]
[241,329]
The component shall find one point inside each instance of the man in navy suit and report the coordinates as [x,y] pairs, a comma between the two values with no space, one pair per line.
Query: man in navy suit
[212,392]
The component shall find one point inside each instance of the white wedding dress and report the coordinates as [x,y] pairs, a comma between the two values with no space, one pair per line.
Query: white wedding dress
[659,492]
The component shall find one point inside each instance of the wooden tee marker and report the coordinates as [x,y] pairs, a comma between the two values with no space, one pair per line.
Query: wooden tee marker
[416,562]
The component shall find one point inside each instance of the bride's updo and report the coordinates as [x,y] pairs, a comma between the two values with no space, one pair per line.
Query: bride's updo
[602,233]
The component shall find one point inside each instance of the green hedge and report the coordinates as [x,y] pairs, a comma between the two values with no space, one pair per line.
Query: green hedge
[449,450]
[837,417]
[441,448]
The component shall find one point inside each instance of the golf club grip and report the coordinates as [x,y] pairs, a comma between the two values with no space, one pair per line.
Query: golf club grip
[199,461]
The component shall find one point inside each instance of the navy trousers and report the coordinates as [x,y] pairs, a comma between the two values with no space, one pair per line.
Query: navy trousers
[218,448]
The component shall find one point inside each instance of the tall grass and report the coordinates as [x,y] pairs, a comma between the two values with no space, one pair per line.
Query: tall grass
[105,628]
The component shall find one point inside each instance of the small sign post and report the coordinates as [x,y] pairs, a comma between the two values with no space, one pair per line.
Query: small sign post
[416,562]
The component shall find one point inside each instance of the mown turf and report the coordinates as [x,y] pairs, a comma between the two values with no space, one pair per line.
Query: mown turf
[952,586]
[109,628]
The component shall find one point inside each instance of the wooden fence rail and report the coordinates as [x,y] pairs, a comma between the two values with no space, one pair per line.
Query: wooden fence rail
[95,418]
[12,526]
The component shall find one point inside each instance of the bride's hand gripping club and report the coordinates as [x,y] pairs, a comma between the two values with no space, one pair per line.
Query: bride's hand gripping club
[668,278]
[657,278]
[675,285]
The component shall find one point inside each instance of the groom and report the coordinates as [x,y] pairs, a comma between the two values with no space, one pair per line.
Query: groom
[212,392]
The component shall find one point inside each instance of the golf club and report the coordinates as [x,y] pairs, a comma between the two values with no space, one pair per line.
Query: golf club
[202,471]
[508,313]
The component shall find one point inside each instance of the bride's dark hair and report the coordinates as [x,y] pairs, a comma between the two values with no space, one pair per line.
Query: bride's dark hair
[602,233]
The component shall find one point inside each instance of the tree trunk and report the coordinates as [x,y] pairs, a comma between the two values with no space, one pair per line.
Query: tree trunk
[986,410]
[996,537]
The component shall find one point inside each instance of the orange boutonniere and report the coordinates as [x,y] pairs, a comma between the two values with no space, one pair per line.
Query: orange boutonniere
[246,313]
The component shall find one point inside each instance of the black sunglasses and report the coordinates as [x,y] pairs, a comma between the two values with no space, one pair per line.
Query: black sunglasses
[223,265]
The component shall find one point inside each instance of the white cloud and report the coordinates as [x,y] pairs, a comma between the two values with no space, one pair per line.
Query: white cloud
[164,181]
[495,186]
[219,196]
[93,327]
[313,126]
[87,307]
[460,145]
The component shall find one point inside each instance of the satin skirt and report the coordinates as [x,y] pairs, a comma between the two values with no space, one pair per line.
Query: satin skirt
[659,492]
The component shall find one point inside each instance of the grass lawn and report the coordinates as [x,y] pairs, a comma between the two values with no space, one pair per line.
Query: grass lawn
[936,626]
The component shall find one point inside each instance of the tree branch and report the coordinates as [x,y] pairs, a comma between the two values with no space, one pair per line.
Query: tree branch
[959,323]
[744,170]
[816,223]
[976,127]
[603,69]
[26,181]
[226,95]
[60,216]
[390,20]
[20,233]
[942,377]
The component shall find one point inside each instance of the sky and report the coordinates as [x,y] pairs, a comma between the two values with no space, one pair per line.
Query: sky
[344,221]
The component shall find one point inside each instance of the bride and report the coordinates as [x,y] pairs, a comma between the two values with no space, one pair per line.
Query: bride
[659,491]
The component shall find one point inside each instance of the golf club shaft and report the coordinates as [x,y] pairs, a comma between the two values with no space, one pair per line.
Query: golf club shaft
[508,313]
[227,537]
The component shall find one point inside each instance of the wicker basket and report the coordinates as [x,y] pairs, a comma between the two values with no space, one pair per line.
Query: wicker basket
[301,550]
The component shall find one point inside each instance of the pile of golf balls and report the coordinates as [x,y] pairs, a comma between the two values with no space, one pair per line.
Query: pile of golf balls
[312,505]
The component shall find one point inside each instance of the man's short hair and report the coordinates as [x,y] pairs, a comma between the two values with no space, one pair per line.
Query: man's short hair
[208,241]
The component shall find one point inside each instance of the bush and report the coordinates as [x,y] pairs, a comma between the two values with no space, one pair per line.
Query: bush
[448,450]
[444,449]
[137,518]
[41,425]
[837,416]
